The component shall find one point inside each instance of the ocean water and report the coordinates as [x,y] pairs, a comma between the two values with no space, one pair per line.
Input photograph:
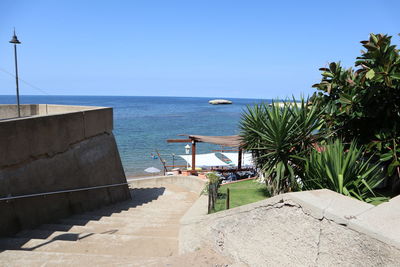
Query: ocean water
[143,124]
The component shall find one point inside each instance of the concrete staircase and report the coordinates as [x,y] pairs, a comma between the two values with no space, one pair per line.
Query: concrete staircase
[140,232]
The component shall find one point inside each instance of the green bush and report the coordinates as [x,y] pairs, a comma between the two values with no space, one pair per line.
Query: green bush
[278,136]
[360,105]
[343,170]
[212,177]
[364,103]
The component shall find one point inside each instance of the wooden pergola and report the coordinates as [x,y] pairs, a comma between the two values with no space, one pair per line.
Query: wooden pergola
[228,140]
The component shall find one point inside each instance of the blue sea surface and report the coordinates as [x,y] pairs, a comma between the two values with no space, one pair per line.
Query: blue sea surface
[143,124]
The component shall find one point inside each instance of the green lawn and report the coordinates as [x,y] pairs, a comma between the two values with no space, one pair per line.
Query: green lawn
[241,193]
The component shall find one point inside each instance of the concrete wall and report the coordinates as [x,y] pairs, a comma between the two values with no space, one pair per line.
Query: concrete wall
[28,110]
[10,111]
[53,152]
[311,228]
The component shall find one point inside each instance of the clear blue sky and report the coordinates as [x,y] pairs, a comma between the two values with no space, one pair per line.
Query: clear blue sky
[251,49]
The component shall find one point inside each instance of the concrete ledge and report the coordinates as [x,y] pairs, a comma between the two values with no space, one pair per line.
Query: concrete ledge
[192,183]
[197,211]
[315,228]
[327,204]
[10,111]
[382,222]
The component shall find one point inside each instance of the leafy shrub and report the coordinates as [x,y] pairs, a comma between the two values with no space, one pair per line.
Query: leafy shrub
[354,105]
[344,171]
[212,190]
[364,104]
[278,136]
[212,177]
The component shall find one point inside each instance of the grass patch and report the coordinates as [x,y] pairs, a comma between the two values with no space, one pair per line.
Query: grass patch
[241,193]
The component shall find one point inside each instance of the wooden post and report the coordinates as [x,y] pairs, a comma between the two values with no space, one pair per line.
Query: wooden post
[240,159]
[193,156]
[227,198]
[162,162]
[209,198]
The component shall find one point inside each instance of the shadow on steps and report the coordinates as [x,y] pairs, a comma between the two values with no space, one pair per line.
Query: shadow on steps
[139,196]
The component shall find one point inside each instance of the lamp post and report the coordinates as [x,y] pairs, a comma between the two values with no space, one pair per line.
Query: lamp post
[15,41]
[187,151]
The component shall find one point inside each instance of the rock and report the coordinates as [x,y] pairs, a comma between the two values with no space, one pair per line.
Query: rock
[219,102]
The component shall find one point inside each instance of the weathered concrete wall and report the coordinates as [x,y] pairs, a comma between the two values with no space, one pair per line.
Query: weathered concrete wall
[26,138]
[57,152]
[314,228]
[10,111]
[27,110]
[192,183]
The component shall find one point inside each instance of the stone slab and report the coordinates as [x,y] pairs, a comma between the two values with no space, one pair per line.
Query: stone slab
[381,222]
[327,204]
[306,228]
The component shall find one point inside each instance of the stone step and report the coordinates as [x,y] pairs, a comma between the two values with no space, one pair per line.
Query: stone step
[119,223]
[132,214]
[121,219]
[158,209]
[162,201]
[144,247]
[152,211]
[171,231]
[133,204]
[97,215]
[87,222]
[134,229]
[143,231]
[164,208]
[83,236]
[17,258]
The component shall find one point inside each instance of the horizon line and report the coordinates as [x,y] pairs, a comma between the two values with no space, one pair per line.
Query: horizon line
[212,97]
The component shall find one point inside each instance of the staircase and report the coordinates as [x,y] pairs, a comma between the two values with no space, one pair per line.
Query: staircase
[140,232]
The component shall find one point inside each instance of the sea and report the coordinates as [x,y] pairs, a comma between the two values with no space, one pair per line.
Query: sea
[142,124]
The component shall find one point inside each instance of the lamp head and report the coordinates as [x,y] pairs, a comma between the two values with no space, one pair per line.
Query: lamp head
[187,149]
[14,39]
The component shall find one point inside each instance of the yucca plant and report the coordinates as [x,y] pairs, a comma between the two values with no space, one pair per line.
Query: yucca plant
[278,136]
[343,170]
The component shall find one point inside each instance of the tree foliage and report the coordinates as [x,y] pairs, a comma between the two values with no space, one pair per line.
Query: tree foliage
[355,105]
[363,104]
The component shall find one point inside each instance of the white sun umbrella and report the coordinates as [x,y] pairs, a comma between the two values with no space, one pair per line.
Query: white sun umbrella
[204,160]
[152,170]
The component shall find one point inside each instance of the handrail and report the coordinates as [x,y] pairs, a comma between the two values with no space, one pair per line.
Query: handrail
[61,191]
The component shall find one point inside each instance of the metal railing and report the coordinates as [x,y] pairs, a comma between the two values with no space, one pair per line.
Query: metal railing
[61,191]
